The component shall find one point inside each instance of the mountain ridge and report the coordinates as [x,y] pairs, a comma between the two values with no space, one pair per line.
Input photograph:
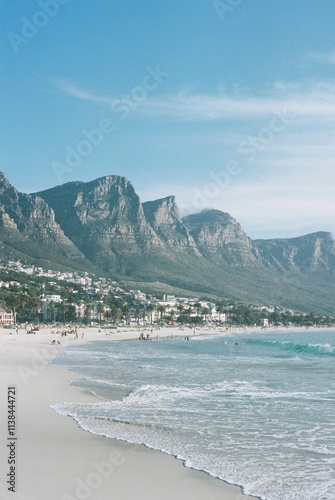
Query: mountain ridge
[103,224]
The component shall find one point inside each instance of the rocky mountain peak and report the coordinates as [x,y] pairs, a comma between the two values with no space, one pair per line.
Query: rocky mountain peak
[109,183]
[31,217]
[219,236]
[163,216]
[9,200]
[4,183]
[88,202]
[8,193]
[104,217]
[162,211]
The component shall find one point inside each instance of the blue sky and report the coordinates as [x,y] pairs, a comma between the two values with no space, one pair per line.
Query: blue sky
[227,104]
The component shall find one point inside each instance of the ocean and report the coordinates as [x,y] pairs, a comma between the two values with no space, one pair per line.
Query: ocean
[255,409]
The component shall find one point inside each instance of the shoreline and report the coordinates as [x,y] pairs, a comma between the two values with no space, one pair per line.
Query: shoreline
[59,460]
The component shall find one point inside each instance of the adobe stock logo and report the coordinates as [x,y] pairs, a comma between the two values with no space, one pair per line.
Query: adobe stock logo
[30,27]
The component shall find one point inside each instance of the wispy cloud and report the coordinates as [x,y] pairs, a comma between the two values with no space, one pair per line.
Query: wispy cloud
[323,58]
[308,100]
[71,89]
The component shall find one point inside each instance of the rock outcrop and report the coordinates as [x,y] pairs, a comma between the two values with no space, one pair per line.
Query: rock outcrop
[218,236]
[163,216]
[311,252]
[31,216]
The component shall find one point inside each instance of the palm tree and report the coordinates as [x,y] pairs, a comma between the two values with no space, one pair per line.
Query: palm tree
[206,311]
[180,309]
[108,314]
[63,308]
[34,303]
[13,303]
[88,313]
[143,315]
[100,311]
[126,313]
[115,313]
[161,310]
[52,311]
[23,299]
[138,315]
[220,310]
[150,309]
[197,305]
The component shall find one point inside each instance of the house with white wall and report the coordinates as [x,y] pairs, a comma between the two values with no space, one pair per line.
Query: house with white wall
[6,317]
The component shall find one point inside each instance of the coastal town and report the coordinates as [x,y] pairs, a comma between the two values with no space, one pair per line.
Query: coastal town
[33,295]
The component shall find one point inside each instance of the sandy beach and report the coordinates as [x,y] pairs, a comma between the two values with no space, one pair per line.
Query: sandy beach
[55,459]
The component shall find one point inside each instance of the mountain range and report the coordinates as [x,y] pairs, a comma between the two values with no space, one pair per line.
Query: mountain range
[103,227]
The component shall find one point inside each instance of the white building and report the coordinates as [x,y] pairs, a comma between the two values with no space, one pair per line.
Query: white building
[51,298]
[6,318]
[138,295]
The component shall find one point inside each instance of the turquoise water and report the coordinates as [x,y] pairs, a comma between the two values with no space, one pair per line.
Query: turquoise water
[254,409]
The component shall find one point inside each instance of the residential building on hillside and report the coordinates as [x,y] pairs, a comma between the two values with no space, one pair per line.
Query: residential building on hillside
[51,298]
